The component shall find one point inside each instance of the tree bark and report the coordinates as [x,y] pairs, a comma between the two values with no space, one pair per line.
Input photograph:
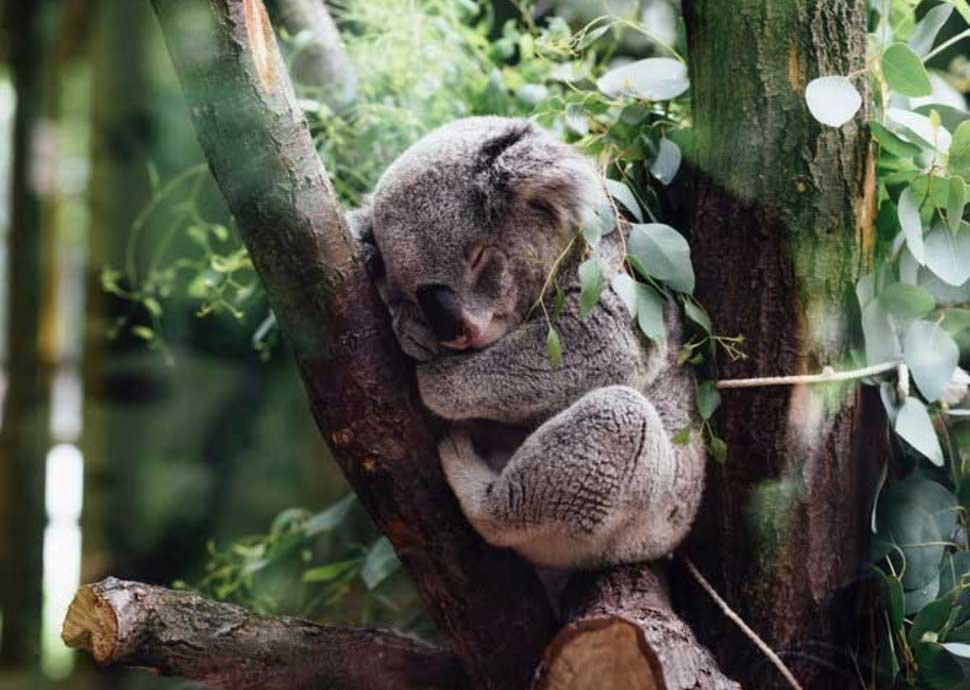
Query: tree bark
[225,646]
[487,602]
[781,230]
[621,634]
[321,65]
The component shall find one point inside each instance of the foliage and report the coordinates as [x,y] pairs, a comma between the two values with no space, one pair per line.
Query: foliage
[910,312]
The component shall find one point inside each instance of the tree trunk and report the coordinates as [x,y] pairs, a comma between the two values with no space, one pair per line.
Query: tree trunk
[25,436]
[225,646]
[781,230]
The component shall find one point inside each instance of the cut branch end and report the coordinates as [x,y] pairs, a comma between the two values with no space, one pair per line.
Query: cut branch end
[91,625]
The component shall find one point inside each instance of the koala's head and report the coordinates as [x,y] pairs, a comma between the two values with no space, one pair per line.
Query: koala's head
[469,222]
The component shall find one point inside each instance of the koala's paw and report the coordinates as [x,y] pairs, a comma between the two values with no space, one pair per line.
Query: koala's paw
[456,452]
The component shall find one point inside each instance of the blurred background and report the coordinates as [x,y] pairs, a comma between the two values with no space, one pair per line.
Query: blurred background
[152,427]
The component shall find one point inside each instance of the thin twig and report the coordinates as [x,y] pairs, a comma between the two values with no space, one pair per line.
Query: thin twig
[827,376]
[748,632]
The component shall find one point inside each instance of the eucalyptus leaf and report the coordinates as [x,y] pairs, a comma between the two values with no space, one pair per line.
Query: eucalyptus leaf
[626,287]
[708,399]
[667,162]
[909,221]
[554,347]
[920,127]
[907,301]
[932,357]
[663,253]
[904,71]
[832,100]
[931,619]
[698,316]
[650,313]
[879,330]
[652,79]
[916,599]
[891,142]
[927,29]
[381,562]
[959,159]
[948,254]
[591,283]
[956,200]
[913,425]
[622,193]
[576,120]
[331,518]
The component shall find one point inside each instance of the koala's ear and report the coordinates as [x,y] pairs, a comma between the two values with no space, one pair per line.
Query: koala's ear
[526,165]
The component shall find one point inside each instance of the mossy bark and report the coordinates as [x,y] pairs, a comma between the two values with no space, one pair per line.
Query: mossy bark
[782,228]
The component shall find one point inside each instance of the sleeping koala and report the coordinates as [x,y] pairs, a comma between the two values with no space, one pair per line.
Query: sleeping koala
[571,466]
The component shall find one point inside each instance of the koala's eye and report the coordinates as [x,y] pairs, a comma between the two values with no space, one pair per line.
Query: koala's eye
[476,258]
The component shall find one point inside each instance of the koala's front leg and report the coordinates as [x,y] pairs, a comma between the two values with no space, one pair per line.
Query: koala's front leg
[600,483]
[514,379]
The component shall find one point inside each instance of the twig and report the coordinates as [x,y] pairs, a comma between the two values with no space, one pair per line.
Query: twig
[828,375]
[748,632]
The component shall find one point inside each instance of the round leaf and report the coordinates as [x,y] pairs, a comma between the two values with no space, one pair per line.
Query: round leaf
[665,166]
[663,253]
[626,287]
[653,79]
[914,426]
[622,193]
[904,71]
[832,100]
[911,224]
[906,301]
[650,313]
[932,356]
[948,255]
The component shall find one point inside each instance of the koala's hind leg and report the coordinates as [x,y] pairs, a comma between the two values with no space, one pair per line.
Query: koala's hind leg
[598,483]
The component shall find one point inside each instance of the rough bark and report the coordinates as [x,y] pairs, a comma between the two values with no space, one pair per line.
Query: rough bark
[320,65]
[225,646]
[25,436]
[781,230]
[621,634]
[487,602]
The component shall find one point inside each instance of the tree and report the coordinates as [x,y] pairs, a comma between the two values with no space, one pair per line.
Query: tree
[782,222]
[487,603]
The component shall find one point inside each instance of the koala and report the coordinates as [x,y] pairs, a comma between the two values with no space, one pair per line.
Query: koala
[573,465]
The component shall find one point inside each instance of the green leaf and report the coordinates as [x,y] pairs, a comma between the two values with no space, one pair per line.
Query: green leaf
[682,437]
[381,563]
[919,127]
[963,7]
[698,316]
[832,100]
[938,669]
[708,399]
[597,221]
[932,357]
[907,301]
[894,600]
[892,143]
[909,221]
[882,344]
[719,449]
[959,157]
[904,71]
[931,619]
[622,193]
[554,347]
[143,332]
[914,426]
[927,29]
[652,79]
[663,253]
[956,200]
[329,572]
[331,518]
[576,120]
[948,255]
[667,162]
[955,320]
[650,313]
[626,287]
[590,285]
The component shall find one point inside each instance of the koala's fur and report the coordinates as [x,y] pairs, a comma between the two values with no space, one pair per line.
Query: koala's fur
[573,467]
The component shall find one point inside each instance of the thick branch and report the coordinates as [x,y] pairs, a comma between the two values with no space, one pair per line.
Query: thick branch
[225,646]
[488,602]
[622,634]
[320,62]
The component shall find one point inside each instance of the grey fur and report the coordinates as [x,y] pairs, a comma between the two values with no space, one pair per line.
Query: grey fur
[597,480]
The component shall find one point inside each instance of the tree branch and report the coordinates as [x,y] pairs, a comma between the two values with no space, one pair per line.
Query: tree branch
[320,63]
[225,646]
[361,389]
[622,634]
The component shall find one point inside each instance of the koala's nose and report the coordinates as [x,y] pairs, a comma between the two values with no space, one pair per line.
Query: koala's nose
[442,309]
